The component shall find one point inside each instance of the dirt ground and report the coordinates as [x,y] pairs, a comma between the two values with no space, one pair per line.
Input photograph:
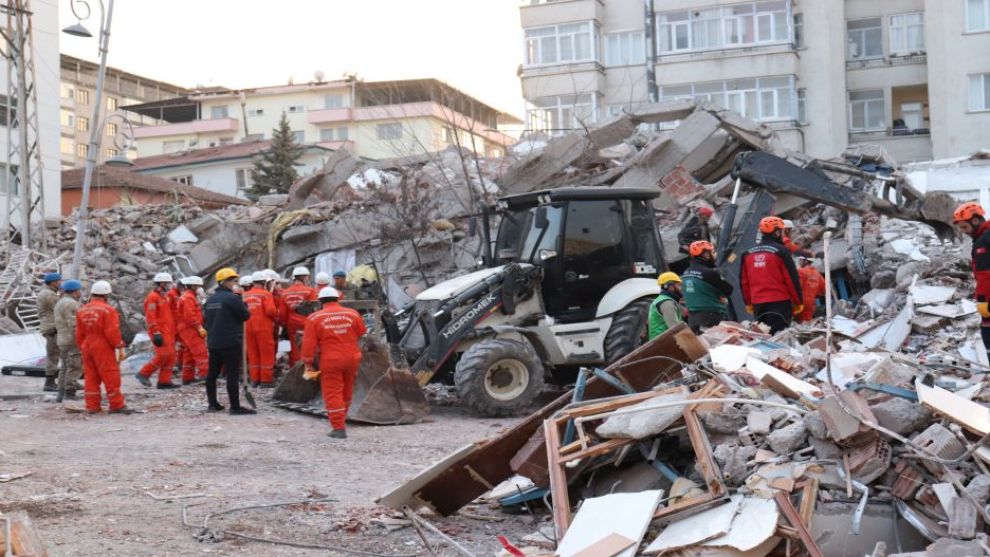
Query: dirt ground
[92,478]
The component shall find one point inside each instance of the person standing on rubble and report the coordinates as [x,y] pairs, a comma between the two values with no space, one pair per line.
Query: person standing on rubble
[666,310]
[292,298]
[970,219]
[161,328]
[706,293]
[260,331]
[102,347]
[47,298]
[812,287]
[192,334]
[771,287]
[696,228]
[335,331]
[795,248]
[226,314]
[65,332]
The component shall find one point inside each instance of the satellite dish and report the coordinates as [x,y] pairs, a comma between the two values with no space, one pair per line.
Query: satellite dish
[318,76]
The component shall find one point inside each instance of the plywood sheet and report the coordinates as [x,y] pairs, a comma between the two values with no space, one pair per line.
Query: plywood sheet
[971,415]
[626,514]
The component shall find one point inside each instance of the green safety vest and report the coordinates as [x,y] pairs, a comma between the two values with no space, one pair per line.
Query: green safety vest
[701,296]
[658,325]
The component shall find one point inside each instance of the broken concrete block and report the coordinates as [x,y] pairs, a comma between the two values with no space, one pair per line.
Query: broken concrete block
[759,422]
[844,428]
[884,278]
[273,200]
[644,423]
[825,449]
[733,459]
[816,425]
[900,415]
[728,421]
[788,439]
[979,488]
[948,547]
[662,154]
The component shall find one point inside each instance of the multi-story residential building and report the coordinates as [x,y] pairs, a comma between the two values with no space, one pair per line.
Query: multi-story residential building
[910,75]
[120,88]
[375,120]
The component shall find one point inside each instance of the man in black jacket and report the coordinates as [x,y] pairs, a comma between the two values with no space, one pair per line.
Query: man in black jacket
[225,314]
[706,293]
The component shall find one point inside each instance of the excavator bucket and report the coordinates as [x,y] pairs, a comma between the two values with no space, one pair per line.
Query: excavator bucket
[385,391]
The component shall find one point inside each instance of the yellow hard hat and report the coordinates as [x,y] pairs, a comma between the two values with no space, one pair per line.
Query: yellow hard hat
[664,278]
[226,273]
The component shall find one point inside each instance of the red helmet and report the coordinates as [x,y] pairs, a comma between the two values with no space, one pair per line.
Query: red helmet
[769,224]
[705,211]
[700,247]
[967,211]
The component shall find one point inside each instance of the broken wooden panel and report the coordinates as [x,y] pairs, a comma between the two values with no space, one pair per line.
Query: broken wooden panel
[487,464]
[661,155]
[24,539]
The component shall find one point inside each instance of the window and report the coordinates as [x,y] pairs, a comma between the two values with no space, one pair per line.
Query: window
[561,114]
[82,150]
[67,118]
[218,112]
[226,140]
[907,33]
[256,112]
[187,180]
[3,111]
[764,99]
[242,176]
[559,44]
[342,134]
[739,25]
[110,152]
[67,92]
[296,108]
[82,123]
[173,146]
[333,134]
[333,101]
[82,96]
[111,130]
[912,116]
[625,49]
[449,135]
[867,111]
[254,137]
[299,136]
[977,15]
[798,30]
[67,146]
[864,39]
[979,92]
[111,103]
[8,178]
[389,131]
[802,106]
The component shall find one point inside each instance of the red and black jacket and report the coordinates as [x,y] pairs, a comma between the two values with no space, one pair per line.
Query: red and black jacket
[769,274]
[981,262]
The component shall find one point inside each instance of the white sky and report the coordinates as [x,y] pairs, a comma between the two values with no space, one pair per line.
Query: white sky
[475,45]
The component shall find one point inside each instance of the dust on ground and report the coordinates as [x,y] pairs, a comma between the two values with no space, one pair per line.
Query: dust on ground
[92,477]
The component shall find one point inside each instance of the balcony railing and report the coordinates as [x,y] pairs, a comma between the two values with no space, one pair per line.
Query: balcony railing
[188,128]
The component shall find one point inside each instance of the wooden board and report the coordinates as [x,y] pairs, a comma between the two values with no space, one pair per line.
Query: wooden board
[626,514]
[24,539]
[781,382]
[971,415]
[608,546]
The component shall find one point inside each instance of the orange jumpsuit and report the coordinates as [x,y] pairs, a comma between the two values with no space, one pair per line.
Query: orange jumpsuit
[812,286]
[197,359]
[173,296]
[98,338]
[158,316]
[291,297]
[335,330]
[260,336]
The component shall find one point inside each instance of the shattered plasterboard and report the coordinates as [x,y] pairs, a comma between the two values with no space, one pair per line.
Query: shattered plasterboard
[910,249]
[951,311]
[626,514]
[729,358]
[702,527]
[892,334]
[927,294]
[754,524]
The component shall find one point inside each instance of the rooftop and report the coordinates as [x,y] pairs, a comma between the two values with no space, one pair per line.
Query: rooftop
[205,155]
[112,177]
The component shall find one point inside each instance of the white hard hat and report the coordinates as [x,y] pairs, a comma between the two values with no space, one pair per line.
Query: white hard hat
[271,274]
[162,277]
[246,280]
[300,272]
[259,276]
[329,292]
[322,278]
[193,281]
[788,224]
[100,288]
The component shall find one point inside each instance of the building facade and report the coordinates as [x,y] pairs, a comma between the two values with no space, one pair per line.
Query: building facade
[375,120]
[903,74]
[77,95]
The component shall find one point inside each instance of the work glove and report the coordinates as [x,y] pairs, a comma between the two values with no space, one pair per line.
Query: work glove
[798,309]
[121,354]
[310,374]
[983,309]
[750,310]
[158,340]
[202,332]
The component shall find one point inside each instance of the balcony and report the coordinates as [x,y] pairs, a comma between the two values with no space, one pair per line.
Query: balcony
[329,116]
[539,13]
[194,127]
[904,145]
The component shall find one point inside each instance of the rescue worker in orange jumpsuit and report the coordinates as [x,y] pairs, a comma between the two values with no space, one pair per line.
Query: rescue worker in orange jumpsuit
[260,331]
[335,331]
[971,220]
[812,287]
[291,297]
[99,340]
[173,296]
[192,334]
[161,327]
[796,248]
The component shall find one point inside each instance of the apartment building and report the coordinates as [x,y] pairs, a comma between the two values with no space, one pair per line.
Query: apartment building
[910,75]
[77,95]
[375,120]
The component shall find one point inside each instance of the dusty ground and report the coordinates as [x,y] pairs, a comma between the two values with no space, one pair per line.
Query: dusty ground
[91,477]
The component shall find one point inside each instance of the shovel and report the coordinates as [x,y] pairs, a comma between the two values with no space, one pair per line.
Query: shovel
[248,395]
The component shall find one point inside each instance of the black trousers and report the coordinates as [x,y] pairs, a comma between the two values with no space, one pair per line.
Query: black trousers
[704,319]
[776,315]
[985,333]
[227,360]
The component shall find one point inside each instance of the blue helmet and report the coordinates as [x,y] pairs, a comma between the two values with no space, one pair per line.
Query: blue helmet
[52,277]
[71,285]
[340,274]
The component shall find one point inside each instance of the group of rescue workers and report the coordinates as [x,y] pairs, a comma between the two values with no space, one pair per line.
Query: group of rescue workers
[240,321]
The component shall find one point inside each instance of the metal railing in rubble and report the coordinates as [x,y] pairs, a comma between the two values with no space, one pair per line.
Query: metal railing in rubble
[19,283]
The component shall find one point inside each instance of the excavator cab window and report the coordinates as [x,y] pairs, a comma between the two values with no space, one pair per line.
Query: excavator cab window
[525,234]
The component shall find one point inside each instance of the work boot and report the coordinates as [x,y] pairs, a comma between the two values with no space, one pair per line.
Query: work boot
[338,434]
[269,385]
[192,381]
[50,385]
[166,386]
[70,393]
[241,411]
[123,410]
[143,380]
[214,408]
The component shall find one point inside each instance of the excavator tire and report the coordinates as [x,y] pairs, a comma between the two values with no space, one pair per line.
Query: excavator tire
[498,377]
[628,330]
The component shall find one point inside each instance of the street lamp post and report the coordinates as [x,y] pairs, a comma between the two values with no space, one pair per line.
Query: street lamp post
[106,14]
